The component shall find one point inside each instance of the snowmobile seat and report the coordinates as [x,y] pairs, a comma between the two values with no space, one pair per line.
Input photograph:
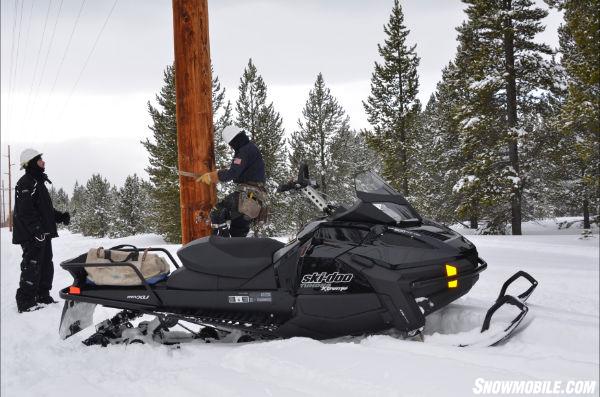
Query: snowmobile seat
[237,257]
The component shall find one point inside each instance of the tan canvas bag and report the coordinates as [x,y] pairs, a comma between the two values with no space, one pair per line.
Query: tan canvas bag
[150,265]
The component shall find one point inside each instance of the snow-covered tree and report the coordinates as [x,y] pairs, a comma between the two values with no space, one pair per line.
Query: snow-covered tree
[222,117]
[264,127]
[96,212]
[509,72]
[76,208]
[439,159]
[392,106]
[60,199]
[323,122]
[577,151]
[323,119]
[131,209]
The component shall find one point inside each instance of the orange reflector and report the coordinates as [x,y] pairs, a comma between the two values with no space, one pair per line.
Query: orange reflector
[451,271]
[74,290]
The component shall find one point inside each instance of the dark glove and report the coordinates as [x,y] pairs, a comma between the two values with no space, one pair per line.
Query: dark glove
[286,186]
[66,218]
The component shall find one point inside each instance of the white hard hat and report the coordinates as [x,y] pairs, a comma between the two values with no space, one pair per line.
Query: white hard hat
[230,132]
[27,155]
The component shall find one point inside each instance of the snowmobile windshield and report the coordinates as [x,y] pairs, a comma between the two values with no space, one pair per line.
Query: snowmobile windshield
[371,188]
[371,183]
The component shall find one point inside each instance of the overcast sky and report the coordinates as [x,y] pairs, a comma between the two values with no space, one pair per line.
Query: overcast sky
[89,117]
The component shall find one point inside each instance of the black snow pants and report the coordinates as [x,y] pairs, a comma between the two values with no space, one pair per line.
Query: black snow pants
[227,210]
[37,272]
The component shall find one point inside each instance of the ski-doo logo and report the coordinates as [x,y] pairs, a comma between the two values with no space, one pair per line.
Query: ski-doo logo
[325,280]
[141,297]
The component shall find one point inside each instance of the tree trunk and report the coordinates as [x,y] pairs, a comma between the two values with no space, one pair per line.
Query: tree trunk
[586,213]
[403,159]
[511,106]
[322,158]
[473,219]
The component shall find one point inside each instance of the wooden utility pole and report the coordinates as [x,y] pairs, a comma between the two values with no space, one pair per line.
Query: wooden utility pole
[193,85]
[10,220]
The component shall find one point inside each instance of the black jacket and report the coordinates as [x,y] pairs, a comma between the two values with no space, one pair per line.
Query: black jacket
[33,214]
[247,164]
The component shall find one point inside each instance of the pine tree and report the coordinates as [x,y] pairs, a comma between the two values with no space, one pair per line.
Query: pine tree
[515,72]
[264,126]
[439,156]
[163,158]
[163,154]
[76,208]
[96,211]
[578,121]
[60,199]
[351,155]
[130,209]
[474,118]
[323,121]
[222,118]
[392,107]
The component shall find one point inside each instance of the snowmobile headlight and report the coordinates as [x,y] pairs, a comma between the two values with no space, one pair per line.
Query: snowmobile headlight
[451,271]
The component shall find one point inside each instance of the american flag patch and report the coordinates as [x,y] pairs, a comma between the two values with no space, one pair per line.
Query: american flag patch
[237,161]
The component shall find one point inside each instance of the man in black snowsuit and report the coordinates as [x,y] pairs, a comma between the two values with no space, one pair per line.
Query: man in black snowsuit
[34,226]
[247,170]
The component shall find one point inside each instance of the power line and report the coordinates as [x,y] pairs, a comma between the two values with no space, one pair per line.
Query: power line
[89,56]
[37,58]
[29,18]
[14,62]
[64,55]
[37,89]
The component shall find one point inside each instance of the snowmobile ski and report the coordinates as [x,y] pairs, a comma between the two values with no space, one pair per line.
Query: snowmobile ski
[503,299]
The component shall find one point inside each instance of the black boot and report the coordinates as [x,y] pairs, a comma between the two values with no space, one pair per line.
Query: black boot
[28,307]
[46,299]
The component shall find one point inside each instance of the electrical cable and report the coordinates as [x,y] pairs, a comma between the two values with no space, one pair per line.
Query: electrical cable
[37,60]
[14,63]
[64,56]
[89,56]
[37,89]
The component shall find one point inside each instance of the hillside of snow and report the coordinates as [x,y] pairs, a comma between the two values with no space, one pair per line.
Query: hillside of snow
[559,339]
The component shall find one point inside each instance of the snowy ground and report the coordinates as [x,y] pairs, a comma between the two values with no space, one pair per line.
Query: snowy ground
[559,342]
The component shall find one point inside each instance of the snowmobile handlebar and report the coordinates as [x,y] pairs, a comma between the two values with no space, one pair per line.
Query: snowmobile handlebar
[302,181]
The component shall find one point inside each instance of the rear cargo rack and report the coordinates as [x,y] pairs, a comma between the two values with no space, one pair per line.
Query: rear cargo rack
[73,267]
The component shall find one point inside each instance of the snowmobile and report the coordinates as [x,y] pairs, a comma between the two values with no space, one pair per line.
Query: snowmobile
[372,266]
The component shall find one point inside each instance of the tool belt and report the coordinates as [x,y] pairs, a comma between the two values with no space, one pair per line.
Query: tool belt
[253,201]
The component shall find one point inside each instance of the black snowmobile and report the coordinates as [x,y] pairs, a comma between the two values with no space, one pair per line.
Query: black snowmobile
[373,266]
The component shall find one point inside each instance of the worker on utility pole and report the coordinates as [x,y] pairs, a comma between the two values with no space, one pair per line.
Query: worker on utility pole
[35,222]
[248,202]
